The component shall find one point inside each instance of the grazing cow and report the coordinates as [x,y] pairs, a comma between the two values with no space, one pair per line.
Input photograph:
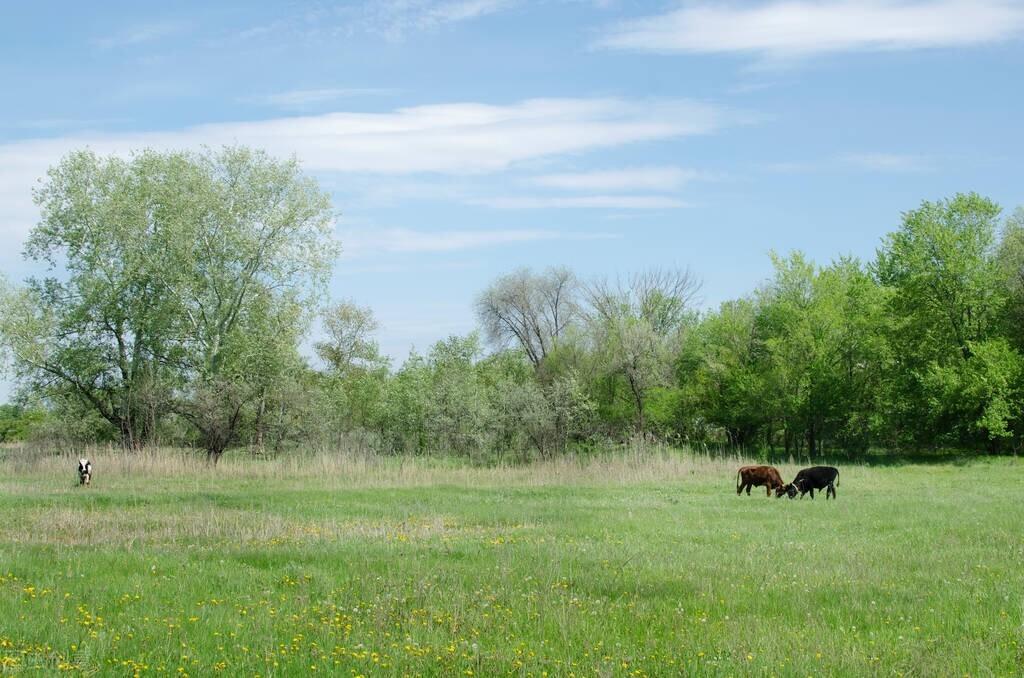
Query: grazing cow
[788,490]
[756,476]
[84,471]
[815,478]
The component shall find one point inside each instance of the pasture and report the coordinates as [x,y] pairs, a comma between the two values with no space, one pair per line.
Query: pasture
[638,565]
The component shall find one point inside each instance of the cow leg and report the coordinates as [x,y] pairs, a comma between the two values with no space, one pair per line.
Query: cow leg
[812,493]
[831,490]
[749,485]
[768,490]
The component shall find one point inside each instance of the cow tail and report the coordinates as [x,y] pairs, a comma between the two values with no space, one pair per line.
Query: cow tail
[837,477]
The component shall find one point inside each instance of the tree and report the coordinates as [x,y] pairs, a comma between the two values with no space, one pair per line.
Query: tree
[527,413]
[251,264]
[637,329]
[439,403]
[824,350]
[349,344]
[1010,263]
[946,300]
[17,422]
[721,370]
[531,310]
[356,375]
[104,326]
[185,285]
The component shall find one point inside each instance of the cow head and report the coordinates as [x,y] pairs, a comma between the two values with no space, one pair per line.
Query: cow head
[788,490]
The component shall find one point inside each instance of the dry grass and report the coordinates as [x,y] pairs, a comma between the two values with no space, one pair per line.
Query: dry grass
[114,467]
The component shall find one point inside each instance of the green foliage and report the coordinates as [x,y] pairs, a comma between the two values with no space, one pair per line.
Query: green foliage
[1010,270]
[636,329]
[18,424]
[179,284]
[946,299]
[181,287]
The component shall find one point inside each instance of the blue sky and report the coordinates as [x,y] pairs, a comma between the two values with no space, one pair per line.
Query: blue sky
[464,138]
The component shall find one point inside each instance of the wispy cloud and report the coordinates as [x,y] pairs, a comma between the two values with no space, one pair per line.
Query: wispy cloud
[304,99]
[448,139]
[362,243]
[395,18]
[460,138]
[627,179]
[136,35]
[50,124]
[619,202]
[463,10]
[390,19]
[888,162]
[864,161]
[788,29]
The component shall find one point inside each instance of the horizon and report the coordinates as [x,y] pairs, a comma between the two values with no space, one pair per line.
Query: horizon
[463,139]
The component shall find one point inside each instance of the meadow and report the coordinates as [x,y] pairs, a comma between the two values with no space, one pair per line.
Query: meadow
[639,564]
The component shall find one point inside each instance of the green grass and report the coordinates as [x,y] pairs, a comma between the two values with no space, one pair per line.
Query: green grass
[633,567]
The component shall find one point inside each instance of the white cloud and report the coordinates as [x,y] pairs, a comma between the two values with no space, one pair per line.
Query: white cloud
[390,19]
[67,123]
[888,162]
[798,28]
[395,18]
[631,178]
[620,202]
[303,99]
[361,243]
[870,162]
[462,10]
[445,139]
[140,34]
[460,138]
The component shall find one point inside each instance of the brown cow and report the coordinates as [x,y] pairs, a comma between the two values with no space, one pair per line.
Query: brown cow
[756,476]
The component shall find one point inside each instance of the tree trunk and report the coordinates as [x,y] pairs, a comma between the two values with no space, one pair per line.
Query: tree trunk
[261,410]
[130,440]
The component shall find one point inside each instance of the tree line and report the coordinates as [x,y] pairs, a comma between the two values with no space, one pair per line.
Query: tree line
[180,285]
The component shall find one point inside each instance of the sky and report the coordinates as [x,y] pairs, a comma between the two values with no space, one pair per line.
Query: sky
[462,139]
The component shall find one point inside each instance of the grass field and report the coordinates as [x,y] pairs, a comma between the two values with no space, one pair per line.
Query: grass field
[640,565]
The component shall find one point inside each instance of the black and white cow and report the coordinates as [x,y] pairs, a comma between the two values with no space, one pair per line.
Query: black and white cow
[84,471]
[815,478]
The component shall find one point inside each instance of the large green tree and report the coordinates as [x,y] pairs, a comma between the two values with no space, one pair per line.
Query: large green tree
[948,298]
[178,283]
[1010,263]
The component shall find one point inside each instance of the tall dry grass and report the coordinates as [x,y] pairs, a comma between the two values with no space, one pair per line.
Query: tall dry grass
[114,466]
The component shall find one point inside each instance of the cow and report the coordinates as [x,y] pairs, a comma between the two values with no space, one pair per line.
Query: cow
[84,471]
[756,476]
[814,478]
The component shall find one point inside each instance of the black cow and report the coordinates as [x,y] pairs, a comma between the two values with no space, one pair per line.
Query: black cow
[814,478]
